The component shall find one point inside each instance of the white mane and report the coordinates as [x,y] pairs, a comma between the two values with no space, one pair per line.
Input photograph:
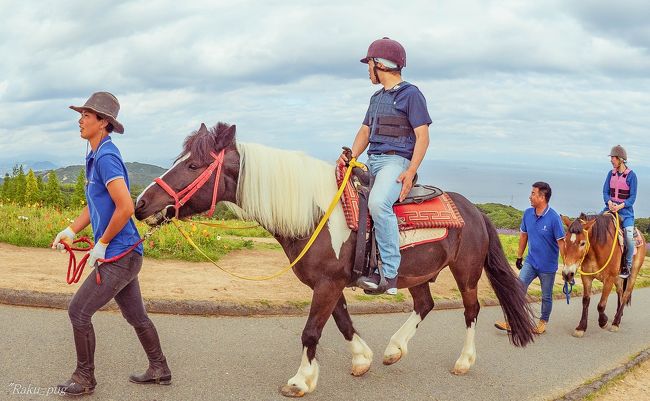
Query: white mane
[287,192]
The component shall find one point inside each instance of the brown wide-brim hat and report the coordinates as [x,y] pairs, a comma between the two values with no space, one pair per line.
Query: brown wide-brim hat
[105,105]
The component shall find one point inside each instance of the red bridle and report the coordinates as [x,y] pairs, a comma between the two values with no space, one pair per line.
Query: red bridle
[180,198]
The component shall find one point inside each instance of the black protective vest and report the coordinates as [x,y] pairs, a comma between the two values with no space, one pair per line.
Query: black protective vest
[390,130]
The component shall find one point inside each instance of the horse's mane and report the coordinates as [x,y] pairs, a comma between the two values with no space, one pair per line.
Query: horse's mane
[285,191]
[200,144]
[600,229]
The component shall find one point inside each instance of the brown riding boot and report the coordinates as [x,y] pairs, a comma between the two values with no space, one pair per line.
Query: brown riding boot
[502,326]
[158,371]
[83,380]
[541,327]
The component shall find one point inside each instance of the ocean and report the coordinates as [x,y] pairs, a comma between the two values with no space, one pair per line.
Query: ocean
[573,190]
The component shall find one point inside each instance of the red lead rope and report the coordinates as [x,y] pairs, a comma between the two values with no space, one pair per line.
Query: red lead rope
[75,271]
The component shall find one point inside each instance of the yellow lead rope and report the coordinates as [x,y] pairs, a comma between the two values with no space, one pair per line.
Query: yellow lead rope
[330,209]
[611,253]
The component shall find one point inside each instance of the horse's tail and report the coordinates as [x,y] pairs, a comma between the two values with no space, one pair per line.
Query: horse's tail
[509,290]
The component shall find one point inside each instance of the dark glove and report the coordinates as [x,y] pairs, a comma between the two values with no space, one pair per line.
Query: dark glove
[519,263]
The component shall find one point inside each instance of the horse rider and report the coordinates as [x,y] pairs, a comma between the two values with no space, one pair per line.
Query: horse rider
[619,194]
[109,213]
[396,127]
[543,232]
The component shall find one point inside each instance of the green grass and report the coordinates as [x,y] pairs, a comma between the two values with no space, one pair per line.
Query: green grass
[37,227]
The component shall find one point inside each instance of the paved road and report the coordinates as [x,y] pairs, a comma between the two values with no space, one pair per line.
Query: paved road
[250,358]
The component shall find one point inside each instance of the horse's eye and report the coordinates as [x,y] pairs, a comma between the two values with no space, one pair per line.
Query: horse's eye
[193,166]
[582,243]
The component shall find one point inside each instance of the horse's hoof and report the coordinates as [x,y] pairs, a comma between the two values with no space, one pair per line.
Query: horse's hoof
[291,390]
[460,371]
[579,333]
[613,329]
[360,370]
[391,359]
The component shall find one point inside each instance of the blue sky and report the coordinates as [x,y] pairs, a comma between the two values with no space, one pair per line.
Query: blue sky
[543,83]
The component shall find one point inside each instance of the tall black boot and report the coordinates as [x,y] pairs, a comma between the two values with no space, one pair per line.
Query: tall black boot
[158,371]
[83,380]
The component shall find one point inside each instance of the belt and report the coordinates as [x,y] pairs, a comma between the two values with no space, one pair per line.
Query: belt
[390,152]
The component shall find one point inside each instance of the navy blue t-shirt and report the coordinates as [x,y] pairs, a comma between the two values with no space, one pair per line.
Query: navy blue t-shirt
[543,233]
[412,103]
[103,166]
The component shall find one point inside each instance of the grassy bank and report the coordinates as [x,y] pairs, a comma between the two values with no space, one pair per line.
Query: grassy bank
[37,227]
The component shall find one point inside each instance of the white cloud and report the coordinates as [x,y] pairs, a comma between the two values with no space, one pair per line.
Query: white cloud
[512,80]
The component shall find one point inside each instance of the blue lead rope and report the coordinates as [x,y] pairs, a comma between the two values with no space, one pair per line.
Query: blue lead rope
[566,290]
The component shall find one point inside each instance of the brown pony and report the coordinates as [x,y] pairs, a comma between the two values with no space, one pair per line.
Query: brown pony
[287,193]
[588,244]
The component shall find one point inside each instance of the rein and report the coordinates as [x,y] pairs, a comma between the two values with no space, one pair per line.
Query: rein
[321,224]
[76,270]
[611,253]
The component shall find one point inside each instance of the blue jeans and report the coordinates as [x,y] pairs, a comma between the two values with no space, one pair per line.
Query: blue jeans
[385,191]
[527,274]
[629,243]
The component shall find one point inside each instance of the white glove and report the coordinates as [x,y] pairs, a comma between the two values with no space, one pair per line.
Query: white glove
[98,252]
[66,235]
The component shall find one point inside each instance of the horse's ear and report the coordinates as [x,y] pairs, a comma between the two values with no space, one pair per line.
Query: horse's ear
[203,129]
[588,224]
[228,136]
[567,221]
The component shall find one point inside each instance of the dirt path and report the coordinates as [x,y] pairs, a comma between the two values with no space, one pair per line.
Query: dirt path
[44,270]
[632,387]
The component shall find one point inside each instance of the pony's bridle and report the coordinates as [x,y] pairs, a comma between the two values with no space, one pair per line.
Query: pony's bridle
[181,197]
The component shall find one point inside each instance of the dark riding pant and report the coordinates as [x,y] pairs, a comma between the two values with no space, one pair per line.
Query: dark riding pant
[119,280]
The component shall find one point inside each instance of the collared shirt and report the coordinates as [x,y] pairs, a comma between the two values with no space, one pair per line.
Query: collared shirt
[543,233]
[103,166]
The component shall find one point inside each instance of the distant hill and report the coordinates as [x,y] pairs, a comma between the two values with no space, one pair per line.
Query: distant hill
[140,174]
[36,166]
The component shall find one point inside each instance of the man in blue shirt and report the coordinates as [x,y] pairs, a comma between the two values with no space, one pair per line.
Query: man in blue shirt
[542,231]
[619,194]
[109,213]
[396,127]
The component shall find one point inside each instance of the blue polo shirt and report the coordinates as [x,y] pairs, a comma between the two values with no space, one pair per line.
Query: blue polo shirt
[103,166]
[543,233]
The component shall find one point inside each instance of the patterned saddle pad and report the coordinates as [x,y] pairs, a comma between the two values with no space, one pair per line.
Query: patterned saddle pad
[439,212]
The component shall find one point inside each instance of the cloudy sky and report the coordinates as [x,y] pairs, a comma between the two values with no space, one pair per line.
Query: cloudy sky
[547,83]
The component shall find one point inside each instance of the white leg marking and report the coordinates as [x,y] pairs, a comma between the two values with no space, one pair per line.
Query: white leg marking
[468,354]
[398,345]
[361,355]
[307,376]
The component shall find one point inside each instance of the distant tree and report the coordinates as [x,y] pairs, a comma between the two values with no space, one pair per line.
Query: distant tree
[20,182]
[53,195]
[4,192]
[79,195]
[41,186]
[31,188]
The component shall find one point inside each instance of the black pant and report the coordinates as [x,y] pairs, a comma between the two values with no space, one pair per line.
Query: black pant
[119,280]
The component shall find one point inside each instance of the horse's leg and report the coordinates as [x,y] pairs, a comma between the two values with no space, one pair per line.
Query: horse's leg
[326,294]
[361,353]
[422,305]
[620,305]
[468,354]
[586,297]
[602,304]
